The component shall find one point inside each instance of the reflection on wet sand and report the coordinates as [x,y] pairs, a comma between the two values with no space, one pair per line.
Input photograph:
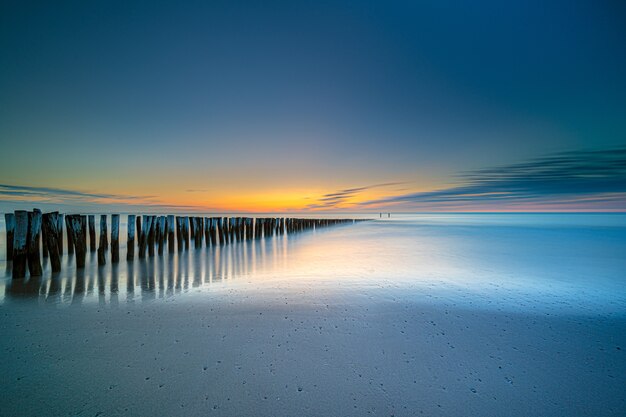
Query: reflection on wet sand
[149,278]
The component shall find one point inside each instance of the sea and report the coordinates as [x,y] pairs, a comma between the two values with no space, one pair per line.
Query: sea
[571,263]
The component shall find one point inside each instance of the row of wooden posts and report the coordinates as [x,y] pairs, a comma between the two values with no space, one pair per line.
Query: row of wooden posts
[26,229]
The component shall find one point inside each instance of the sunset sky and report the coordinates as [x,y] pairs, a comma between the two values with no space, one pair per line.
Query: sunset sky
[307,106]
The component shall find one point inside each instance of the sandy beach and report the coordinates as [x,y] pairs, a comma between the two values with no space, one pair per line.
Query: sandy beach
[322,351]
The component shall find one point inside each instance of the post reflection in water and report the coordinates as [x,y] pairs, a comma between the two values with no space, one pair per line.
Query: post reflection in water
[148,278]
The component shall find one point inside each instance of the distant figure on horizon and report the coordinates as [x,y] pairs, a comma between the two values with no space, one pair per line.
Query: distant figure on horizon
[388,214]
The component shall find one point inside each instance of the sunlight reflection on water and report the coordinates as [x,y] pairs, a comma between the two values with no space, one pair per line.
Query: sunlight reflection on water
[569,257]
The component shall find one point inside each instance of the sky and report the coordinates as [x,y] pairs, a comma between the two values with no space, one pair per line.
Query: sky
[278,106]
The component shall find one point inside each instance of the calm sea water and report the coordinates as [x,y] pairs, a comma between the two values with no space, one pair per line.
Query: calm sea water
[575,261]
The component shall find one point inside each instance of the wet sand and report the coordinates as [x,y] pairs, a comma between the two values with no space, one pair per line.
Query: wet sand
[320,348]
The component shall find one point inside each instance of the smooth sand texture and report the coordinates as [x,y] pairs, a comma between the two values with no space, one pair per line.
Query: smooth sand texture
[320,349]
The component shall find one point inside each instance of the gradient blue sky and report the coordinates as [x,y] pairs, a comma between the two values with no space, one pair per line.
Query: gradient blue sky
[275,105]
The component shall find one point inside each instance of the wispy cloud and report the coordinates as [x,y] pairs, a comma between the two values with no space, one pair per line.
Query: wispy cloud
[335,199]
[580,179]
[61,194]
[14,197]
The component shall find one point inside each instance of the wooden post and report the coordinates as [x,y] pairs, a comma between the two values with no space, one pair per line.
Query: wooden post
[51,232]
[230,229]
[130,243]
[239,231]
[199,223]
[115,238]
[44,243]
[186,231]
[234,229]
[269,224]
[242,228]
[143,238]
[75,225]
[151,233]
[70,236]
[198,226]
[20,250]
[213,230]
[32,243]
[258,227]
[60,235]
[179,233]
[9,221]
[139,229]
[207,233]
[157,230]
[226,229]
[92,232]
[218,229]
[104,242]
[83,224]
[161,234]
[249,228]
[232,225]
[166,229]
[171,240]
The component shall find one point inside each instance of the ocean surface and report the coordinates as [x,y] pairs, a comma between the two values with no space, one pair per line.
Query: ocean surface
[566,263]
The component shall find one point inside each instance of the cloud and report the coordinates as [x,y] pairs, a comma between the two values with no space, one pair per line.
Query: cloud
[580,179]
[37,193]
[334,199]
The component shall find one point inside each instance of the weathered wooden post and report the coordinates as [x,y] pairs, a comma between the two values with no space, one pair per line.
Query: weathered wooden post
[104,242]
[213,230]
[139,229]
[198,235]
[240,228]
[60,235]
[171,240]
[145,232]
[258,227]
[92,232]
[226,229]
[232,224]
[199,231]
[32,243]
[9,221]
[70,236]
[207,233]
[249,228]
[192,231]
[218,230]
[51,232]
[115,238]
[83,222]
[75,225]
[268,227]
[151,234]
[20,250]
[161,234]
[232,229]
[179,233]
[44,243]
[130,244]
[186,232]
[166,230]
